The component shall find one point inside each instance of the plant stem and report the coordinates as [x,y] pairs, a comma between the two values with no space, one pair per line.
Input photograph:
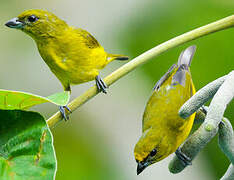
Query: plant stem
[200,138]
[226,143]
[224,23]
[200,98]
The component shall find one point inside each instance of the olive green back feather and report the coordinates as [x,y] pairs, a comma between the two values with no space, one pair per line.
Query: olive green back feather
[89,40]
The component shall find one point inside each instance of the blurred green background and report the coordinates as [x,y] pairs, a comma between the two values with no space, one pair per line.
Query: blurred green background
[98,141]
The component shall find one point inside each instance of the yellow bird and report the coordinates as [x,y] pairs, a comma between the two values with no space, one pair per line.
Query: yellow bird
[163,129]
[72,54]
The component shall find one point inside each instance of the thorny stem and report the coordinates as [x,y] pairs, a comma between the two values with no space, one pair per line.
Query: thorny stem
[224,23]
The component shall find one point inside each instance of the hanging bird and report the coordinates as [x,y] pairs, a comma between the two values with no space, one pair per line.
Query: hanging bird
[72,54]
[163,129]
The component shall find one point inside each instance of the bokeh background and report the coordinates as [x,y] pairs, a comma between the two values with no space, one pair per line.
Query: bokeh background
[98,141]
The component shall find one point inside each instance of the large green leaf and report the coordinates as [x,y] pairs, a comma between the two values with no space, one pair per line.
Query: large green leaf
[20,100]
[26,147]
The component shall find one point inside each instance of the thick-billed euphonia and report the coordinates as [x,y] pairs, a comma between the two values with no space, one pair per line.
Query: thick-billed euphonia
[72,54]
[163,129]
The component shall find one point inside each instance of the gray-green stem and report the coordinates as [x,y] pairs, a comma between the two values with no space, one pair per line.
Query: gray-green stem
[209,128]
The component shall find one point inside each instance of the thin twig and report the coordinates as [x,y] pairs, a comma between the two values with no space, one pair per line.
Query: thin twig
[209,128]
[125,69]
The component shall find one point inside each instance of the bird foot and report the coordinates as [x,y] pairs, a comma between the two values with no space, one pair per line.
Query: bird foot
[101,85]
[183,157]
[204,109]
[63,109]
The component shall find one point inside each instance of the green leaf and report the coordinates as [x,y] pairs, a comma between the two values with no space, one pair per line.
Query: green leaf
[26,147]
[10,100]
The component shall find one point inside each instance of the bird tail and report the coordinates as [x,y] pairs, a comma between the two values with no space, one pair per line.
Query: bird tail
[183,65]
[112,57]
[186,56]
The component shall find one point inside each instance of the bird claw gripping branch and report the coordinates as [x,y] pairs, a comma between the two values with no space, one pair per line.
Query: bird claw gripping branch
[63,109]
[183,157]
[101,85]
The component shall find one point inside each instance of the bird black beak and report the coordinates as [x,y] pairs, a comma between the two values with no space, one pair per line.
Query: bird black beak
[15,23]
[141,166]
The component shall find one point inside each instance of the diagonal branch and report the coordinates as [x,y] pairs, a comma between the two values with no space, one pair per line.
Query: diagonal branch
[225,23]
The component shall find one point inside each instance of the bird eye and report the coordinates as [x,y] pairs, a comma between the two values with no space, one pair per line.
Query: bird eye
[153,152]
[32,18]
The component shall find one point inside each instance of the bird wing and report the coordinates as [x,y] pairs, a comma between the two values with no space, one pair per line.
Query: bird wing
[179,77]
[164,77]
[88,39]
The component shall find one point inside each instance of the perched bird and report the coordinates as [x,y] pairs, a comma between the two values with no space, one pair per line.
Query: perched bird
[163,129]
[72,54]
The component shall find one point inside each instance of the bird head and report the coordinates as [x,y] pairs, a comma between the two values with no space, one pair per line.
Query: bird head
[149,150]
[38,23]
